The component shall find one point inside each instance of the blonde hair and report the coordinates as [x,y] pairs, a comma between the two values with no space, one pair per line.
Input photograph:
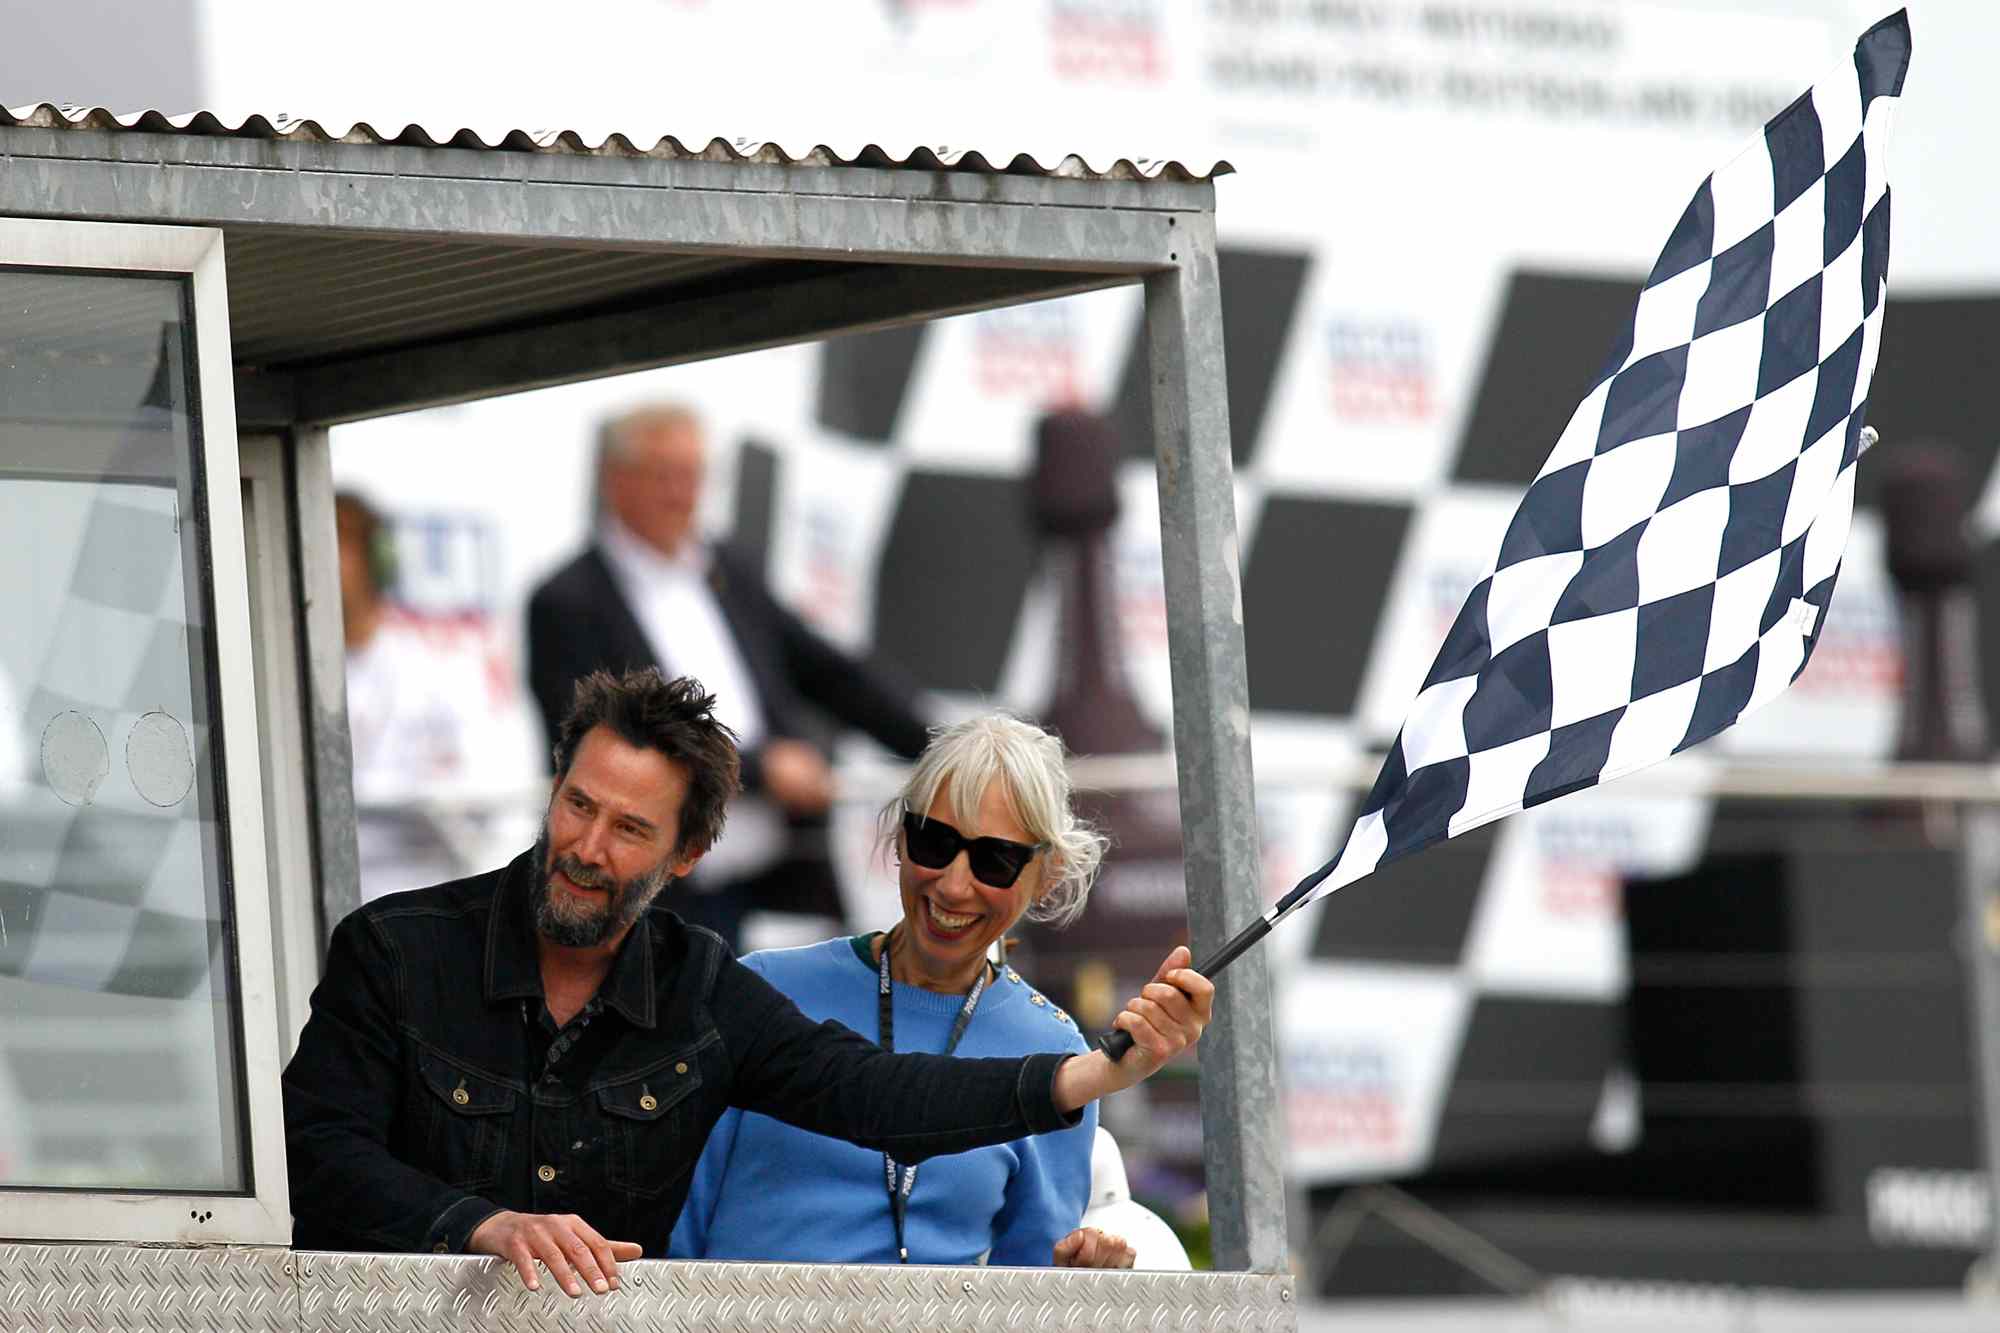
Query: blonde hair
[966,758]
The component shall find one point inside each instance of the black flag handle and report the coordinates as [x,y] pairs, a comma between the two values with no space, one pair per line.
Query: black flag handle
[1117,1041]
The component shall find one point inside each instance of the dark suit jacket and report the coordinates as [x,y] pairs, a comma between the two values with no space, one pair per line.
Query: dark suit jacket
[578,621]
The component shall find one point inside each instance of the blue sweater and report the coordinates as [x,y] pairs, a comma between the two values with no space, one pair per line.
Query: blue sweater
[764,1190]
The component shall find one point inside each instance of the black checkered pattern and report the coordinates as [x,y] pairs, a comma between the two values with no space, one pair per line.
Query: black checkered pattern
[1669,569]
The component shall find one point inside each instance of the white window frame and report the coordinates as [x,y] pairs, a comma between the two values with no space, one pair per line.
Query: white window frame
[281,733]
[263,1216]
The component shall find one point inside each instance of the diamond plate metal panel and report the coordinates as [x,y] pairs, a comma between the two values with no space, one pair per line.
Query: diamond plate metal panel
[130,1289]
[419,1294]
[133,1289]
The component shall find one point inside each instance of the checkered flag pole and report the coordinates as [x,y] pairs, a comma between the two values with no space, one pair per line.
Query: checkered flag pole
[1669,570]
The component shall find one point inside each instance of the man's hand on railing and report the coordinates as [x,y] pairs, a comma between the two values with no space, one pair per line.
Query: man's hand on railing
[563,1242]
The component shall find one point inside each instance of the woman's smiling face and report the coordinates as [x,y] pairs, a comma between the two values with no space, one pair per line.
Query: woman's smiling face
[950,918]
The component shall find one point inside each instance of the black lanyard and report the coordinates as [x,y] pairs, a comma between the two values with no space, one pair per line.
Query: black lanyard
[900,1187]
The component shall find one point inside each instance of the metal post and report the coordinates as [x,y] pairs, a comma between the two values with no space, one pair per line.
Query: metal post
[1980,940]
[323,664]
[1239,1096]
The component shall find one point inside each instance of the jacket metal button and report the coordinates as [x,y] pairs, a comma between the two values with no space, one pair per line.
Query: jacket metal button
[681,1068]
[649,1103]
[546,1173]
[460,1095]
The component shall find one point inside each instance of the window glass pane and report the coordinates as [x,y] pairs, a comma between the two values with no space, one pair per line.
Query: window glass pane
[119,1054]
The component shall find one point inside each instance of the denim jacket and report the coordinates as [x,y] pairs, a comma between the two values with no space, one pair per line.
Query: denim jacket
[431,1089]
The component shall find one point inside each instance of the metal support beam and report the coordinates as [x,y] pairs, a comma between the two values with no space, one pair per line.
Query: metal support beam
[584,201]
[822,300]
[1239,1094]
[306,154]
[323,664]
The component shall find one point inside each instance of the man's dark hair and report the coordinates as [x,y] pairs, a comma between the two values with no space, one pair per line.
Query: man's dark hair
[675,717]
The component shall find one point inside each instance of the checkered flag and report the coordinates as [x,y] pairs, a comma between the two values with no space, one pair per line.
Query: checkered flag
[1669,569]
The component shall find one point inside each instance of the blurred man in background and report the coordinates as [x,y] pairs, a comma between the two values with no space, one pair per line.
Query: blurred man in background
[649,592]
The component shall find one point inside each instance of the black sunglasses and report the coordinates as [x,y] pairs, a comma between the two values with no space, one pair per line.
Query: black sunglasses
[995,862]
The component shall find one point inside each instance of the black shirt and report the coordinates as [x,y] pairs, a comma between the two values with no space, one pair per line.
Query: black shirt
[431,1088]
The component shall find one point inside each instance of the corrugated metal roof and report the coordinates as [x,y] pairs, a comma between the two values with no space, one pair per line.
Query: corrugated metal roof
[47,115]
[295,297]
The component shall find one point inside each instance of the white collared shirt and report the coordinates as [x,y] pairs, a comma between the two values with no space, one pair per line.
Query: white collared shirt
[675,606]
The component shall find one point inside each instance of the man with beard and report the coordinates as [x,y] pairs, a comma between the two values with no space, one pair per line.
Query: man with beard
[527,1063]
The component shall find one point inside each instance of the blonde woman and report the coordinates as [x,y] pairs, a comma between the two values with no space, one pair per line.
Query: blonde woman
[982,834]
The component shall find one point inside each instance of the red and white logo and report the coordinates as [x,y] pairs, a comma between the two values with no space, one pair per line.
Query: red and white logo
[1341,1095]
[1108,40]
[1381,371]
[1030,354]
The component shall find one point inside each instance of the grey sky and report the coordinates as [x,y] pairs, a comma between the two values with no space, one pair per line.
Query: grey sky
[113,53]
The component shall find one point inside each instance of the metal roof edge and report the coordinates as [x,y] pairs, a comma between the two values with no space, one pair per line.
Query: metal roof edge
[1072,166]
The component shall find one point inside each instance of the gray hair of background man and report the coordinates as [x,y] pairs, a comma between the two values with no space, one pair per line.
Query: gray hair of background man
[615,434]
[965,758]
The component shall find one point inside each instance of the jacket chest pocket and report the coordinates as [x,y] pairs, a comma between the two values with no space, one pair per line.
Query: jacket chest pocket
[469,1117]
[652,1127]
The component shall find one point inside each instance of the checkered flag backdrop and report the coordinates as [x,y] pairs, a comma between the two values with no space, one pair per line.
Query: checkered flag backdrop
[1670,568]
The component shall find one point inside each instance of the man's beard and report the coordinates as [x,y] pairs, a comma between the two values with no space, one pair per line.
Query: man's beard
[574,923]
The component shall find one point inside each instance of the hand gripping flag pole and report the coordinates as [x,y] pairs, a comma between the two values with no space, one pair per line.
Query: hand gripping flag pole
[1669,569]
